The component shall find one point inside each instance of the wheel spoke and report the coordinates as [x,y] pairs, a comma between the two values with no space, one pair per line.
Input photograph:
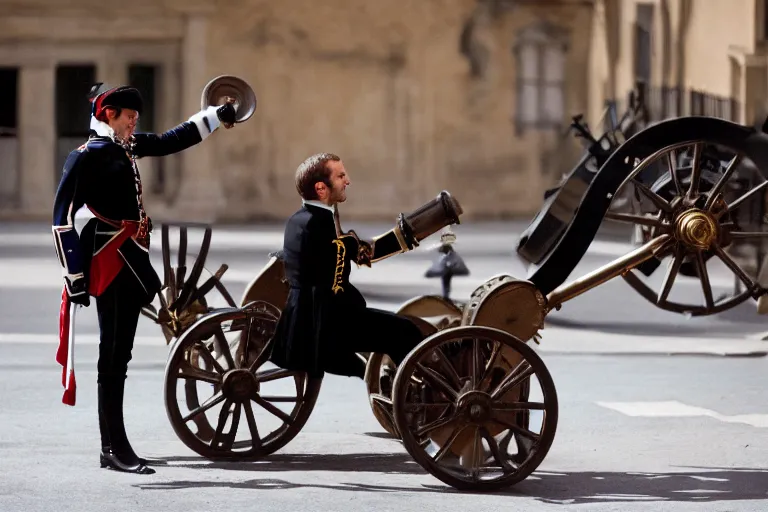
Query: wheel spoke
[495,351]
[655,198]
[518,406]
[223,347]
[673,172]
[220,439]
[437,379]
[286,399]
[417,406]
[476,359]
[636,219]
[452,439]
[187,371]
[738,202]
[433,425]
[706,287]
[261,358]
[522,371]
[500,456]
[208,357]
[746,235]
[211,402]
[252,427]
[447,366]
[477,447]
[272,409]
[693,187]
[672,270]
[274,374]
[721,182]
[734,266]
[517,429]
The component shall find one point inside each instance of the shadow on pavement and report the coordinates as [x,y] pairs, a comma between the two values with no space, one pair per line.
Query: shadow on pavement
[710,485]
[699,485]
[365,462]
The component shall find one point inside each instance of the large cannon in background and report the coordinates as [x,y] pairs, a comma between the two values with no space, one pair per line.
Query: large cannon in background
[562,201]
[662,175]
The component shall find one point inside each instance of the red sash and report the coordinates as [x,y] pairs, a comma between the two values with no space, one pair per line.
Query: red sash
[105,265]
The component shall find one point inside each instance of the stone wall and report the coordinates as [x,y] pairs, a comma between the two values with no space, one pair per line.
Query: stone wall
[410,106]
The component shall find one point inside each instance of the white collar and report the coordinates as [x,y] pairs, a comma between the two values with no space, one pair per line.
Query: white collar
[101,128]
[319,204]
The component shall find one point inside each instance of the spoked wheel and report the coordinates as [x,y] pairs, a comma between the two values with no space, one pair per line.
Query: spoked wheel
[251,408]
[184,296]
[380,373]
[704,200]
[476,407]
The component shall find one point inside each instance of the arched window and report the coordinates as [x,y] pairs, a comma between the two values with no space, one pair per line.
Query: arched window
[540,53]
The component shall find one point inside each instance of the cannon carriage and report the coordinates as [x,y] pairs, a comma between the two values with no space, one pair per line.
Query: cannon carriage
[473,403]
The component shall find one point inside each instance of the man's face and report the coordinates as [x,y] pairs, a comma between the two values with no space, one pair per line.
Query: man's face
[339,182]
[124,124]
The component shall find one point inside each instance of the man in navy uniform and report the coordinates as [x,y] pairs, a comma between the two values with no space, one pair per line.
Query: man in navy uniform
[326,321]
[109,259]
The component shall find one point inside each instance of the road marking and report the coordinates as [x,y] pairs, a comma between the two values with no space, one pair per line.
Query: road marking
[80,338]
[674,409]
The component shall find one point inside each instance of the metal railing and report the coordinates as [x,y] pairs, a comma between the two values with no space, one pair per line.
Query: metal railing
[667,102]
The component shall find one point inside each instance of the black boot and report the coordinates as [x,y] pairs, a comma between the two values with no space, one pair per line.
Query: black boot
[119,455]
[106,445]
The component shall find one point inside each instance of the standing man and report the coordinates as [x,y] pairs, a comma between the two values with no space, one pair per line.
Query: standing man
[326,321]
[110,258]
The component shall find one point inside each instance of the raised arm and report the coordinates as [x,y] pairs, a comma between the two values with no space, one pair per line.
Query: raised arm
[69,199]
[193,131]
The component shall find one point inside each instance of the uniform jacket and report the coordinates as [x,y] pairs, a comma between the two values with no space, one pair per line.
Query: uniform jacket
[317,266]
[103,176]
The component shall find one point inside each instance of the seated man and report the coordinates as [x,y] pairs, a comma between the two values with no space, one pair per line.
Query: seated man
[326,321]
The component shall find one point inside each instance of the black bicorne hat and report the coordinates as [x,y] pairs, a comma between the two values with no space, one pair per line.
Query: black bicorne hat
[117,97]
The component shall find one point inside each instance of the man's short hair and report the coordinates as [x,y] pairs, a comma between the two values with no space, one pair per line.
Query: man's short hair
[314,170]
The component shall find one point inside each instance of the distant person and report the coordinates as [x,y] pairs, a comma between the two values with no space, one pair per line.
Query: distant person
[110,258]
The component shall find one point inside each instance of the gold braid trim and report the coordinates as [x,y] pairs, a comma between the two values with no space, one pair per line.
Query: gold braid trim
[338,276]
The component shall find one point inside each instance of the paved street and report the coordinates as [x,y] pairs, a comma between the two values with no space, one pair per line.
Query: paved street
[639,429]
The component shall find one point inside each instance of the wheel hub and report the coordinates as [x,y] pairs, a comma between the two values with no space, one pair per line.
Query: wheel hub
[239,385]
[696,228]
[476,406]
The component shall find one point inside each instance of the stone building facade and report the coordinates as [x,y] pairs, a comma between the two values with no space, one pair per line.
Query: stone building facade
[705,57]
[416,96]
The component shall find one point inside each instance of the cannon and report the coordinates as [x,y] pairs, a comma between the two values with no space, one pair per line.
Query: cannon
[473,403]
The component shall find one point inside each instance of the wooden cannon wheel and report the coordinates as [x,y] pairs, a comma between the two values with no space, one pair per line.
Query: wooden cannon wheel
[700,200]
[458,414]
[430,313]
[252,408]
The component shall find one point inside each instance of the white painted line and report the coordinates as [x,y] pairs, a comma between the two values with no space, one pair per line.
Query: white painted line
[563,340]
[671,409]
[674,409]
[80,339]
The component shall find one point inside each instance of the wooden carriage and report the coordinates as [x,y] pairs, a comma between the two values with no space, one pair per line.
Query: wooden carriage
[474,385]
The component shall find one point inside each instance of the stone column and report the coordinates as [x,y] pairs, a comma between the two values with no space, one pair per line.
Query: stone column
[37,138]
[200,195]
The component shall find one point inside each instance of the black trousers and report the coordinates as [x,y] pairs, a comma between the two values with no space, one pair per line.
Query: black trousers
[118,311]
[371,330]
